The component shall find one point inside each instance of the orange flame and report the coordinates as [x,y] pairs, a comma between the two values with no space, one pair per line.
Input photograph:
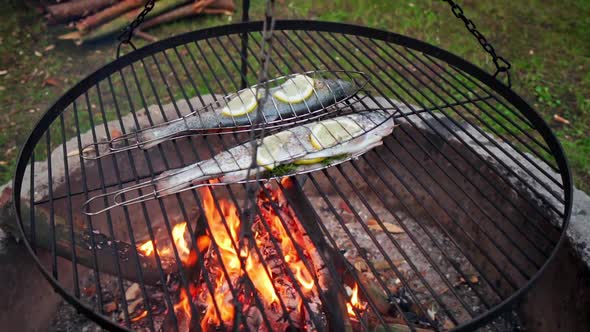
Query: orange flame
[354,302]
[178,237]
[142,315]
[224,229]
[226,235]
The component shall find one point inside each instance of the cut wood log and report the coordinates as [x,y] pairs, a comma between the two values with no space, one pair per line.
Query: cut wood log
[173,15]
[108,14]
[68,11]
[199,7]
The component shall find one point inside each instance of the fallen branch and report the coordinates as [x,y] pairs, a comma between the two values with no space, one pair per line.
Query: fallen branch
[108,14]
[67,11]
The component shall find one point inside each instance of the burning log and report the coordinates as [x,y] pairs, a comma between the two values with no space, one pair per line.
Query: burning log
[81,245]
[67,11]
[333,299]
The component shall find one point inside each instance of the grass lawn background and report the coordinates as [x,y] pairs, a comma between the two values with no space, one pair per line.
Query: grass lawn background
[547,41]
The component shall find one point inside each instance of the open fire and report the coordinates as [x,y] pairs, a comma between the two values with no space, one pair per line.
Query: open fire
[277,274]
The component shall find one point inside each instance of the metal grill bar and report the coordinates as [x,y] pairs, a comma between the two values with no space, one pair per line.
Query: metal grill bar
[51,209]
[89,226]
[33,234]
[70,218]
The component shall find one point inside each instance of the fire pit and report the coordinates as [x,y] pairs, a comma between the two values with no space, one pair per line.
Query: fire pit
[442,227]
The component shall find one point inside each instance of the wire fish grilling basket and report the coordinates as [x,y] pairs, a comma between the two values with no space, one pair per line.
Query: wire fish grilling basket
[277,113]
[351,134]
[445,225]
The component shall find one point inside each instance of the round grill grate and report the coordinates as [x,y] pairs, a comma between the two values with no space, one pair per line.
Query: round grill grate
[450,220]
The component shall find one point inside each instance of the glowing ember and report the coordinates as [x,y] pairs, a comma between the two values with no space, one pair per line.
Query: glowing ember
[142,315]
[147,248]
[354,302]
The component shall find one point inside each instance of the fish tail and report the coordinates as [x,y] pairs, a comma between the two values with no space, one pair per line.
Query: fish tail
[174,180]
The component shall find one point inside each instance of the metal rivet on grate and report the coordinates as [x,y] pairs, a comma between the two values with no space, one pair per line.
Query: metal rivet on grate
[444,225]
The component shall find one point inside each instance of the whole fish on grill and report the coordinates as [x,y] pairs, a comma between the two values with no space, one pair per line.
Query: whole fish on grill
[326,92]
[294,147]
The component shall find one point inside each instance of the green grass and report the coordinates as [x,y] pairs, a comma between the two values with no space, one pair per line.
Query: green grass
[547,41]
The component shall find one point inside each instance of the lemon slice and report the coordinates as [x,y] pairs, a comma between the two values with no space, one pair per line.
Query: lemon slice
[309,161]
[273,149]
[295,90]
[244,102]
[328,133]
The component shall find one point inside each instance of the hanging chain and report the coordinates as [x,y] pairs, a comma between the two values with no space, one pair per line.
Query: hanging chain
[502,65]
[127,33]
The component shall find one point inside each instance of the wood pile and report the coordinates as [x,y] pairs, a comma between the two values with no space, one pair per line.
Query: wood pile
[93,20]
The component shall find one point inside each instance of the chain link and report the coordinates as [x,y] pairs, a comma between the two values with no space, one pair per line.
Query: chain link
[502,65]
[127,33]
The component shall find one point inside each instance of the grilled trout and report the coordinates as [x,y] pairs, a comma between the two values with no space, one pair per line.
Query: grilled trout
[304,147]
[325,93]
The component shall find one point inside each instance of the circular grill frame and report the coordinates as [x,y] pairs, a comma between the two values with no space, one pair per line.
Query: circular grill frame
[300,25]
